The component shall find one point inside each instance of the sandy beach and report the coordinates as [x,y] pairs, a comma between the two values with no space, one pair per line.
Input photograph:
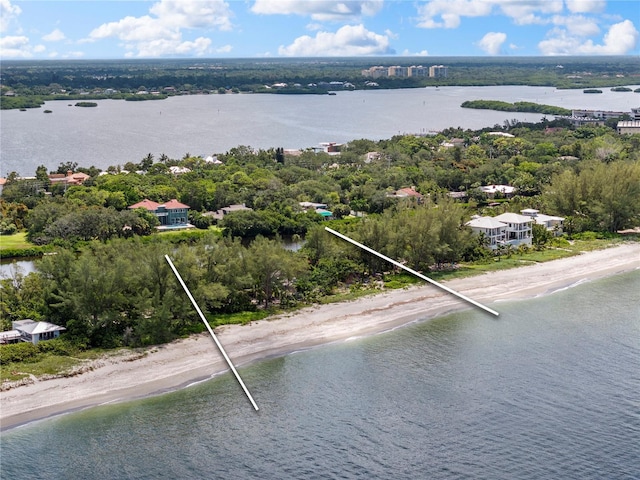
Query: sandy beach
[168,367]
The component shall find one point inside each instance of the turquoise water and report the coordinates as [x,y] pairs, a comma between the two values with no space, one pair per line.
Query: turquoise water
[549,390]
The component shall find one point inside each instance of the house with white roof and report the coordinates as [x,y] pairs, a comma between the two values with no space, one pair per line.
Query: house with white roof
[491,190]
[493,230]
[551,223]
[505,229]
[518,229]
[30,331]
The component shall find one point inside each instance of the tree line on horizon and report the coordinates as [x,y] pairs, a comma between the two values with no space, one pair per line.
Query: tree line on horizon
[32,82]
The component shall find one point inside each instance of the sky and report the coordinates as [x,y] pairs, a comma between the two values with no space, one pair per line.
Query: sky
[117,29]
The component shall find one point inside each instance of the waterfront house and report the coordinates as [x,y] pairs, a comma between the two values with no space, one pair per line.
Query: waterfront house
[492,229]
[505,229]
[170,214]
[518,229]
[30,331]
[550,222]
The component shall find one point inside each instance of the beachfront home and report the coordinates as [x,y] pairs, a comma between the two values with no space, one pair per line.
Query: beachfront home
[550,222]
[518,229]
[492,229]
[505,229]
[30,331]
[170,214]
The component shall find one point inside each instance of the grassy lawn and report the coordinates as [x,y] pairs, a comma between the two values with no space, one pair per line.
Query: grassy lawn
[17,240]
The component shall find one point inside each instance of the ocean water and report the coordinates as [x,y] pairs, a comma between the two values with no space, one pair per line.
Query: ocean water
[548,390]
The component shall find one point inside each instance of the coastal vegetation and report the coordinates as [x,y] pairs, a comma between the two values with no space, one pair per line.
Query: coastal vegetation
[527,107]
[621,89]
[28,84]
[86,104]
[106,281]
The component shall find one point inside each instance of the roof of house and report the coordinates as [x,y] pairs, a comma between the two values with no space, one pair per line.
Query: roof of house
[541,217]
[629,124]
[31,327]
[509,217]
[178,170]
[485,222]
[153,206]
[173,204]
[498,188]
[408,192]
[9,335]
[146,204]
[77,178]
[530,211]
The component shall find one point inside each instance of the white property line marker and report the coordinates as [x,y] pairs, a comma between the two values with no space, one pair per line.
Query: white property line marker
[417,274]
[215,339]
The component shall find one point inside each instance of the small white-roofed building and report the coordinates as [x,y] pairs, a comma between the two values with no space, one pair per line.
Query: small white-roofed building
[33,332]
[553,224]
[491,191]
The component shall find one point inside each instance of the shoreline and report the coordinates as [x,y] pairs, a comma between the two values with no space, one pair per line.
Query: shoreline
[165,368]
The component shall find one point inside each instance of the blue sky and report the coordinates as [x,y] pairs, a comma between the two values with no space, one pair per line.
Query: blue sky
[113,29]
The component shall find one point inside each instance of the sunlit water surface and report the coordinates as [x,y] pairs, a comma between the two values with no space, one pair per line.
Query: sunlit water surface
[549,390]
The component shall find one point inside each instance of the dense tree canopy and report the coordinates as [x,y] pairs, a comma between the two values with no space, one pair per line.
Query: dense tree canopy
[109,284]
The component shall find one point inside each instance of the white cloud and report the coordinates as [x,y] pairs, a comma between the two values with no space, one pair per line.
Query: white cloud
[619,40]
[450,12]
[54,36]
[168,46]
[586,6]
[529,12]
[8,13]
[15,47]
[319,10]
[349,40]
[224,49]
[492,42]
[160,34]
[74,54]
[578,25]
[422,53]
[194,14]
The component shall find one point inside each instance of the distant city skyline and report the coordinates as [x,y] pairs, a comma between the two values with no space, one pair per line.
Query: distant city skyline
[316,28]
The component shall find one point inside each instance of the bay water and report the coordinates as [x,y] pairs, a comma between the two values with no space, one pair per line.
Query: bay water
[116,132]
[548,390]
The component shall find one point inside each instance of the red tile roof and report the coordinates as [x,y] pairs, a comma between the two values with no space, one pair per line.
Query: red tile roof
[153,206]
[146,204]
[410,192]
[173,204]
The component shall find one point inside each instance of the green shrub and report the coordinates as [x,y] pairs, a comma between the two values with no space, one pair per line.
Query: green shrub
[57,346]
[18,352]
